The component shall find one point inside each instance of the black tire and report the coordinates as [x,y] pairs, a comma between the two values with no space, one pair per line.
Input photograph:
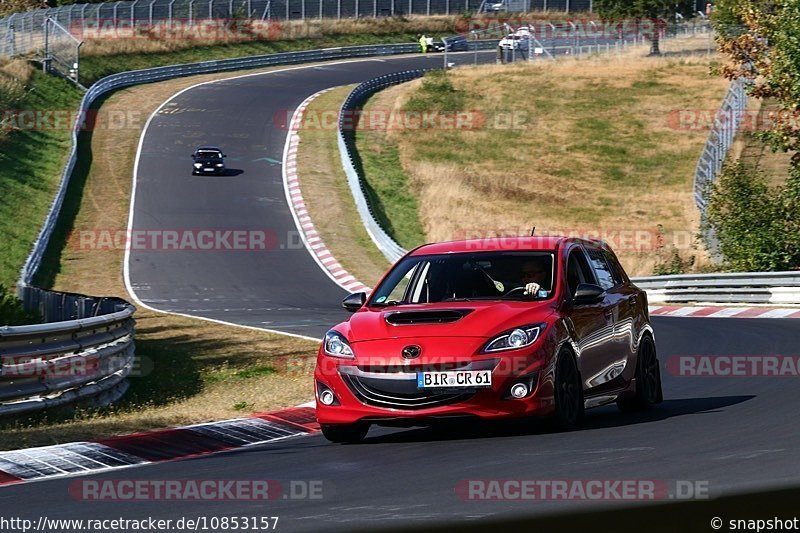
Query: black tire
[568,393]
[648,379]
[344,433]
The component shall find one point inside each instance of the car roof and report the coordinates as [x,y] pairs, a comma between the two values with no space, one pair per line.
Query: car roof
[216,148]
[502,244]
[490,244]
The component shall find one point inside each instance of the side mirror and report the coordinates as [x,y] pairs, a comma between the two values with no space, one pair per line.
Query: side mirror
[588,293]
[223,155]
[355,301]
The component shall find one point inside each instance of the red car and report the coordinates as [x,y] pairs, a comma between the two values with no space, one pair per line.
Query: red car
[492,328]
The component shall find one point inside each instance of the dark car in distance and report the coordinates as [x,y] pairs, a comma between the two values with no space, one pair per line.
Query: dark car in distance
[208,160]
[456,43]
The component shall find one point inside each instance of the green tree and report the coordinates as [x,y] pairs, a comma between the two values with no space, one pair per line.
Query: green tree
[761,40]
[653,13]
[757,226]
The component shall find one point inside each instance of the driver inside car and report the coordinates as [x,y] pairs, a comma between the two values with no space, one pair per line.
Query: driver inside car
[533,276]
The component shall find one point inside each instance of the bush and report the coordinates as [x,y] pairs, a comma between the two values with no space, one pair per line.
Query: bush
[11,311]
[756,225]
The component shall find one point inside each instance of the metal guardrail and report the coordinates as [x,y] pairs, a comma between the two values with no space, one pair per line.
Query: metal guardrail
[85,348]
[135,77]
[358,96]
[22,33]
[773,288]
[83,351]
[749,287]
[351,161]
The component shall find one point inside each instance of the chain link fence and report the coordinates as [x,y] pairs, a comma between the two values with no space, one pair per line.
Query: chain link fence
[23,33]
[719,142]
[61,51]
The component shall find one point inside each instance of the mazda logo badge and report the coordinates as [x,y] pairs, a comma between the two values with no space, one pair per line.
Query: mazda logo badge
[411,352]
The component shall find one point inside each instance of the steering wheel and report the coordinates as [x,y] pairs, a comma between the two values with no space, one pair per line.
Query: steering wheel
[513,290]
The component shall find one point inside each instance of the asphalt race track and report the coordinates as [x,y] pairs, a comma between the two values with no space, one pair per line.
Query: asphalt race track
[729,434]
[736,434]
[281,288]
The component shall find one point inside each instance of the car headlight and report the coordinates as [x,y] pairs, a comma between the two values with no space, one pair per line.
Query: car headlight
[514,339]
[198,165]
[219,164]
[336,345]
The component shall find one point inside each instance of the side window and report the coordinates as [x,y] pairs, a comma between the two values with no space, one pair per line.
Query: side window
[616,268]
[605,278]
[578,271]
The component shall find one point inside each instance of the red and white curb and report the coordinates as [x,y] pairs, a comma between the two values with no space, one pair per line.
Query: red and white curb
[724,312]
[294,196]
[80,458]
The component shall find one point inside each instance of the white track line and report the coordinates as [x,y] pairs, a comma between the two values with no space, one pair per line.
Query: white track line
[126,261]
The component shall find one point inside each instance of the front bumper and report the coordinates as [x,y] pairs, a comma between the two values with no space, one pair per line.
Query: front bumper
[392,398]
[208,170]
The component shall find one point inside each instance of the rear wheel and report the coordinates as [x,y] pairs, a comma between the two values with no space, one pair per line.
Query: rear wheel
[648,379]
[344,433]
[568,393]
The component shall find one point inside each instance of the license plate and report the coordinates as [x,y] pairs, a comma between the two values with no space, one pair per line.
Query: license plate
[466,379]
[208,169]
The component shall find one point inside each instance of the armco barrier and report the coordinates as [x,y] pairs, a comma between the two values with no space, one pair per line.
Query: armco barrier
[83,351]
[85,348]
[135,77]
[775,288]
[351,162]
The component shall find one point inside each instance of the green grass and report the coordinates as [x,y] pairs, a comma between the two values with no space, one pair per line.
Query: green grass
[31,162]
[94,67]
[388,190]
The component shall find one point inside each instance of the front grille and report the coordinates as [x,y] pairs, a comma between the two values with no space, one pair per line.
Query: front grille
[396,387]
[400,394]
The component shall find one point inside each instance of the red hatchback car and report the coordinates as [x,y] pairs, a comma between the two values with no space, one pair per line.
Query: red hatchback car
[490,328]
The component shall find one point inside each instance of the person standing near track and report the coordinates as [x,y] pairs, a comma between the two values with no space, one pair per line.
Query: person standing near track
[423,43]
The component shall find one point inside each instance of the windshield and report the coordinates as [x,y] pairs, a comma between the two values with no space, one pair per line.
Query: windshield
[209,154]
[476,276]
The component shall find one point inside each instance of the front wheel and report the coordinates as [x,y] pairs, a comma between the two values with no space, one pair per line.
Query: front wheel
[344,433]
[648,380]
[568,393]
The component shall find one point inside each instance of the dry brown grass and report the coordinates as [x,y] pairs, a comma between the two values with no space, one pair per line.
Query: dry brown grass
[328,197]
[597,150]
[162,37]
[14,76]
[223,370]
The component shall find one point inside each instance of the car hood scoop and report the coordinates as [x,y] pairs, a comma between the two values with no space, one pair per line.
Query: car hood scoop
[433,316]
